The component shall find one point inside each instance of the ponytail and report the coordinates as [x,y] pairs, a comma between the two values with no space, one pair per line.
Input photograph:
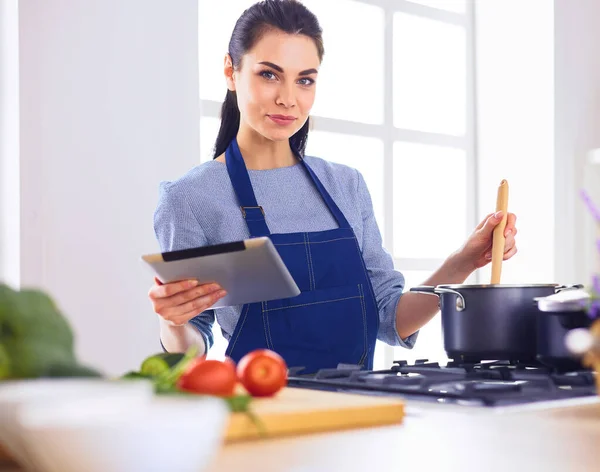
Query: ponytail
[230,122]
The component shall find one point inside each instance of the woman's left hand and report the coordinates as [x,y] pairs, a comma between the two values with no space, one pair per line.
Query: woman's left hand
[477,250]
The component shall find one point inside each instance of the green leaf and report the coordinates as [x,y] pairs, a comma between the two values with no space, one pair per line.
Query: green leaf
[238,403]
[241,404]
[71,370]
[34,334]
[132,375]
[4,364]
[167,380]
[31,358]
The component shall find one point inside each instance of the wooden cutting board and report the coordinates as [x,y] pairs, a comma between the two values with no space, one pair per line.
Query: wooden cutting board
[301,411]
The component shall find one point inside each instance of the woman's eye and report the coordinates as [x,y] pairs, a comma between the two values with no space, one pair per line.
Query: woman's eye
[306,81]
[268,75]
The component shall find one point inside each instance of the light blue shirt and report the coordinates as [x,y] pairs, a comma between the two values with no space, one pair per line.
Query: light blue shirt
[200,208]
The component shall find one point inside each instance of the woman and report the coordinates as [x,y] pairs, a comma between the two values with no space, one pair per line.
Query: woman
[318,214]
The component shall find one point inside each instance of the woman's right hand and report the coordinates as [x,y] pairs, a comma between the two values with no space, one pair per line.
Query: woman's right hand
[179,302]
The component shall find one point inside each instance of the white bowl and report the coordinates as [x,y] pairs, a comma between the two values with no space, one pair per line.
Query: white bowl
[166,434]
[50,393]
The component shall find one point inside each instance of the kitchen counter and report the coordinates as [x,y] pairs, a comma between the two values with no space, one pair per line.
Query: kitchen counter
[435,437]
[562,439]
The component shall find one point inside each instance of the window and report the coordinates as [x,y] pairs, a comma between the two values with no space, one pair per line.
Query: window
[394,101]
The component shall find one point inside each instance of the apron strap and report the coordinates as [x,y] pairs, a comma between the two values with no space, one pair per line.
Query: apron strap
[252,212]
[333,208]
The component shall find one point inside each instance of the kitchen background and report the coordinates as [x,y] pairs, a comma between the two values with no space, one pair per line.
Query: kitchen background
[434,101]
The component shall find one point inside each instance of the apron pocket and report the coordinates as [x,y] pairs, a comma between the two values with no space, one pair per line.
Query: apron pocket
[331,320]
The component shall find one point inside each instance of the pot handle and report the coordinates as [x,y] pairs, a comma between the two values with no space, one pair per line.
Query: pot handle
[460,300]
[430,290]
[562,288]
[426,289]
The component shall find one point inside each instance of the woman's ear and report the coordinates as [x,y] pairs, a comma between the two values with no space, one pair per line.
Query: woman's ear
[228,70]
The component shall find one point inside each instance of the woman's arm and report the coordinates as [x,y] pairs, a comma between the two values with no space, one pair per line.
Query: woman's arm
[176,227]
[180,338]
[414,310]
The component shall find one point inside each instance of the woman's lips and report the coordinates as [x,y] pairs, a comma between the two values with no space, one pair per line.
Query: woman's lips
[282,120]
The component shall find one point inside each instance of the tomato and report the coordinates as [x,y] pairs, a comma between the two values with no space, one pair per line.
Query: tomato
[262,372]
[209,377]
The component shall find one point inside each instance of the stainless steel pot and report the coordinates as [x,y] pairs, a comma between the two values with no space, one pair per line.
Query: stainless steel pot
[488,322]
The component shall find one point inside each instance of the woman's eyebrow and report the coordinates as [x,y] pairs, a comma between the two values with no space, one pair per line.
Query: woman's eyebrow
[279,69]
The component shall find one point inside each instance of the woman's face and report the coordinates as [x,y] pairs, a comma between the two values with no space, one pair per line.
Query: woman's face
[275,84]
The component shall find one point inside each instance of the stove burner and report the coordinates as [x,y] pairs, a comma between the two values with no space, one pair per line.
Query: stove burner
[467,383]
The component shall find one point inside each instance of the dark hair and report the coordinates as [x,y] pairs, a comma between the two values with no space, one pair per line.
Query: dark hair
[289,16]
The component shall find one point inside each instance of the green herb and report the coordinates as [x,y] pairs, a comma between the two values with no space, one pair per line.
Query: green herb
[241,404]
[238,403]
[36,340]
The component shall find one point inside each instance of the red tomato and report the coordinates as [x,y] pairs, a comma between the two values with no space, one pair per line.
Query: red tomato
[209,377]
[262,372]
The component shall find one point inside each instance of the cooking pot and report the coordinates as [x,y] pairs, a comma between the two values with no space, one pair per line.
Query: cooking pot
[490,322]
[558,315]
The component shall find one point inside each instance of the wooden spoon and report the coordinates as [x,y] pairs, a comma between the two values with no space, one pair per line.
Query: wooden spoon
[498,236]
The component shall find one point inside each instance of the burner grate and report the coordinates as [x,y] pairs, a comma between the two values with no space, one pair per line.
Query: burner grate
[485,384]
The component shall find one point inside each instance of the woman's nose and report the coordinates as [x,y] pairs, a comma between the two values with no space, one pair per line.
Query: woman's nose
[286,97]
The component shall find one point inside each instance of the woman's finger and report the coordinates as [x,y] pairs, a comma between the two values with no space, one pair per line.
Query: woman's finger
[197,305]
[510,253]
[168,290]
[509,243]
[482,223]
[183,318]
[510,224]
[182,298]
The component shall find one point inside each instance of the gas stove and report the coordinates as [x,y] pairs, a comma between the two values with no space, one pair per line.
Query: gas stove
[478,384]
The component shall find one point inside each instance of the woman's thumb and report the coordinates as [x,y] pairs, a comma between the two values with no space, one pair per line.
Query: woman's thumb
[491,223]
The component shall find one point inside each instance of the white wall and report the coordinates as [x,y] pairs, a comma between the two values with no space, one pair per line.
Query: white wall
[9,143]
[577,131]
[109,107]
[515,127]
[538,102]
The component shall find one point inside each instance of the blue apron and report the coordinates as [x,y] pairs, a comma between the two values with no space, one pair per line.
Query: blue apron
[335,318]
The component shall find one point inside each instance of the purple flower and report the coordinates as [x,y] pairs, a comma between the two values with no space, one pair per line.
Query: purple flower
[594,311]
[596,283]
[593,209]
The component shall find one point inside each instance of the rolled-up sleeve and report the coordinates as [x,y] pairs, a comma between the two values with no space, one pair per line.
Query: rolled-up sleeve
[388,283]
[176,227]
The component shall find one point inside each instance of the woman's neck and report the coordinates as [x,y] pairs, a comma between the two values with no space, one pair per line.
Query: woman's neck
[261,153]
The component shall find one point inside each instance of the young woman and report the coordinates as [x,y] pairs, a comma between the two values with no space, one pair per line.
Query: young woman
[318,214]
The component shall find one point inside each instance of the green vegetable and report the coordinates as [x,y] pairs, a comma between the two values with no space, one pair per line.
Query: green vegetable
[4,363]
[164,370]
[160,363]
[238,403]
[135,375]
[166,381]
[241,404]
[71,370]
[35,338]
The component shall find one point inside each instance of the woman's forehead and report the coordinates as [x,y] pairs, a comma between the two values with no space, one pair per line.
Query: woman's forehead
[289,51]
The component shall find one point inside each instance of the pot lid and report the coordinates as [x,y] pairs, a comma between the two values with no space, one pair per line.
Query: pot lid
[566,300]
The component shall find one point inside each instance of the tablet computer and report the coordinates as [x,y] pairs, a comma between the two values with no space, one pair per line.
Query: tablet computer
[250,270]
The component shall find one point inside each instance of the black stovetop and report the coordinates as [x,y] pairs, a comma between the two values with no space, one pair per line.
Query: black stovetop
[488,384]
